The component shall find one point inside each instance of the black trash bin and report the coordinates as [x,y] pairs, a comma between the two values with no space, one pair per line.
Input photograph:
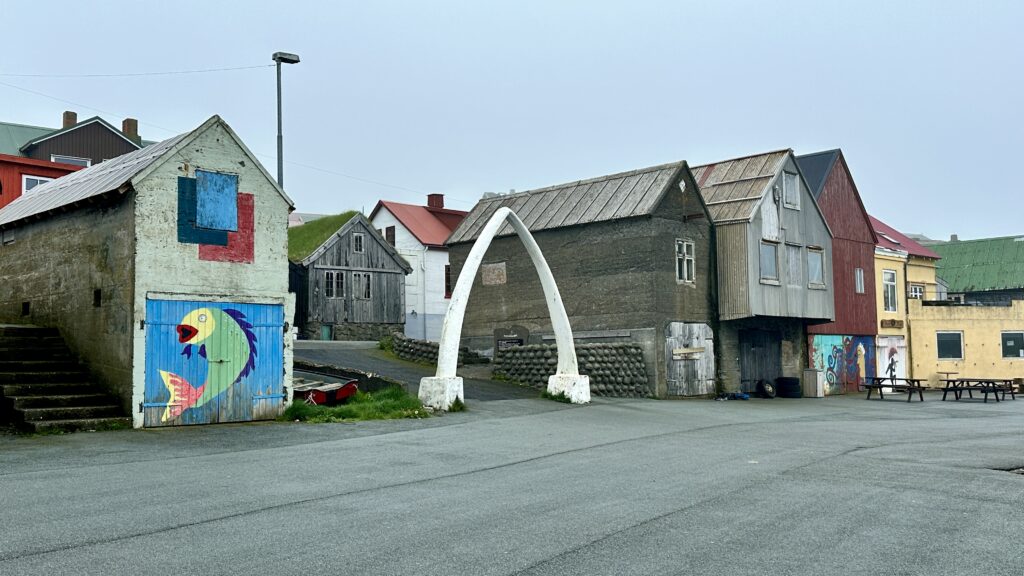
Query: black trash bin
[788,387]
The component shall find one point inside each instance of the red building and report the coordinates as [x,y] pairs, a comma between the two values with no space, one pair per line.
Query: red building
[844,349]
[19,174]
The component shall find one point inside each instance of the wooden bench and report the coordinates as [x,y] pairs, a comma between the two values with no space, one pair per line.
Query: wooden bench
[985,386]
[908,385]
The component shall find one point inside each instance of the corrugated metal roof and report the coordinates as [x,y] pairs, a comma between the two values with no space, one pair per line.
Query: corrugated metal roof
[611,197]
[893,239]
[431,226]
[980,265]
[13,136]
[733,188]
[92,181]
[816,168]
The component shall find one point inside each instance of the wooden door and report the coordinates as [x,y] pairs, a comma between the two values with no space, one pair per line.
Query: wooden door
[212,362]
[690,354]
[760,357]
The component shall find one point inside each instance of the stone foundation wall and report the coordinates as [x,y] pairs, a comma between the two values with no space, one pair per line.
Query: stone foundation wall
[353,331]
[615,369]
[425,351]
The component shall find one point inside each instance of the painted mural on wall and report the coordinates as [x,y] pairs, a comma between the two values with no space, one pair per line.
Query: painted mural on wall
[212,362]
[846,361]
[215,215]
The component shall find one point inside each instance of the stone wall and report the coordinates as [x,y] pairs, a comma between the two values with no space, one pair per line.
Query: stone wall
[368,331]
[615,369]
[426,351]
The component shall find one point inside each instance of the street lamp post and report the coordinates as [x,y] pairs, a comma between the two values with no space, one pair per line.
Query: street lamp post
[281,58]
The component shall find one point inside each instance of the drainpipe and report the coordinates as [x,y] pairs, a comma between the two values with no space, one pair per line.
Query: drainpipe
[423,290]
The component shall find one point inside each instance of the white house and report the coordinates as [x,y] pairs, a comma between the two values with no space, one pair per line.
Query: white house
[418,233]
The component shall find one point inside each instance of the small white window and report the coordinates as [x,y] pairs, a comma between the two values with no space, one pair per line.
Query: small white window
[29,182]
[70,160]
[361,285]
[686,266]
[769,262]
[816,267]
[950,345]
[916,291]
[357,243]
[794,261]
[791,190]
[334,284]
[889,290]
[858,280]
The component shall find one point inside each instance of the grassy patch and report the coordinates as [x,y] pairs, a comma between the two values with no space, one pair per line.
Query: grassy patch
[387,344]
[390,403]
[457,406]
[303,240]
[560,397]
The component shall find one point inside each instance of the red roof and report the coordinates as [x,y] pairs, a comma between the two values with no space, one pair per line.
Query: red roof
[431,226]
[889,237]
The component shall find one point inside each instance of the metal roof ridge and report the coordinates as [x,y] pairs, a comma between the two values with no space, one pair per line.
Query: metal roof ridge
[625,174]
[743,157]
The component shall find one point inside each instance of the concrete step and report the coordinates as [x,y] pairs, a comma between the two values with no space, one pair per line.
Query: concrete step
[47,365]
[66,413]
[77,424]
[61,400]
[34,353]
[27,331]
[46,389]
[42,377]
[42,342]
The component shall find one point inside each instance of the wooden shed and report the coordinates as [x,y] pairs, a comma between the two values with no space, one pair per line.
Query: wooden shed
[351,286]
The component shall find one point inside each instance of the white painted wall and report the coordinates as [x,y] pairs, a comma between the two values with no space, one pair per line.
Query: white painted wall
[424,287]
[167,269]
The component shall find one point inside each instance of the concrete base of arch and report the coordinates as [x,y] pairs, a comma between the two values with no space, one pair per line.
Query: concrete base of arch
[576,387]
[440,392]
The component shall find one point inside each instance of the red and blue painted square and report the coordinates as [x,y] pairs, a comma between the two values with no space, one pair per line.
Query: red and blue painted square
[215,215]
[212,362]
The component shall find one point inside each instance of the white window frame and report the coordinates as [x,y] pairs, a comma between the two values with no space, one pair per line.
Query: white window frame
[885,291]
[332,279]
[958,332]
[75,160]
[760,261]
[358,243]
[916,291]
[791,183]
[361,286]
[821,253]
[858,280]
[25,178]
[686,261]
[1002,345]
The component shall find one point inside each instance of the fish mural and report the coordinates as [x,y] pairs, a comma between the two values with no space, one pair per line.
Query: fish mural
[227,342]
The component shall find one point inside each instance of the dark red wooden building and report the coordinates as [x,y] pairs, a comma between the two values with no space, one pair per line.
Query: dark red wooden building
[844,350]
[18,173]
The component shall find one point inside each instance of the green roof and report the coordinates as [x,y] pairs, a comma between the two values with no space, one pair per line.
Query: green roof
[304,239]
[981,265]
[14,136]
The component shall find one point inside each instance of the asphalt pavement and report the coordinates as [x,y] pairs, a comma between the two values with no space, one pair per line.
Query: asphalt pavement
[529,486]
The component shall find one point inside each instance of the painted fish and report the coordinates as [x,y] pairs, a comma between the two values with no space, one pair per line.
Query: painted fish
[227,342]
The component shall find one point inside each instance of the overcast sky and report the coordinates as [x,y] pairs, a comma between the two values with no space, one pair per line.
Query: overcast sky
[394,100]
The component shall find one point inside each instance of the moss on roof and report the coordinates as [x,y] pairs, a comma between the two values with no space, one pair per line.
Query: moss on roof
[304,239]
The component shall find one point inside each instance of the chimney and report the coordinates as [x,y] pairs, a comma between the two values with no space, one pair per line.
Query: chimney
[70,119]
[435,200]
[130,127]
[953,238]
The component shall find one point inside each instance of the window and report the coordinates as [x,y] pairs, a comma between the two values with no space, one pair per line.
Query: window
[769,261]
[357,243]
[858,280]
[1013,344]
[794,261]
[916,291]
[950,345]
[790,190]
[816,267]
[361,285]
[389,235]
[889,290]
[447,281]
[70,160]
[334,284]
[29,182]
[686,266]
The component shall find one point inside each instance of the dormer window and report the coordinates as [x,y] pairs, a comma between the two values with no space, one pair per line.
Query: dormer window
[790,190]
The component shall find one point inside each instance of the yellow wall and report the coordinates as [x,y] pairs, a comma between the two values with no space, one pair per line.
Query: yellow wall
[891,262]
[922,271]
[982,328]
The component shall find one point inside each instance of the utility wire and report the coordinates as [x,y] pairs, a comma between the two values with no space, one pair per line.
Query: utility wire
[135,74]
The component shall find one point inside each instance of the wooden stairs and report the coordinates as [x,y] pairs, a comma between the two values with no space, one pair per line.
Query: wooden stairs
[43,388]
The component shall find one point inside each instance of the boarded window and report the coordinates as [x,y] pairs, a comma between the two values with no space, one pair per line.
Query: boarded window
[791,190]
[686,264]
[889,290]
[794,265]
[357,243]
[950,345]
[361,285]
[916,291]
[447,281]
[815,266]
[217,201]
[334,284]
[858,280]
[1013,344]
[389,235]
[769,261]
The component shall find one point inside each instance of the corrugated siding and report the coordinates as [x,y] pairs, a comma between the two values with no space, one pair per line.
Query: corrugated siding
[731,242]
[600,199]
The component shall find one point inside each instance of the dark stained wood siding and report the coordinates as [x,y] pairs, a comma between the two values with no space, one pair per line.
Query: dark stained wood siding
[94,141]
[853,246]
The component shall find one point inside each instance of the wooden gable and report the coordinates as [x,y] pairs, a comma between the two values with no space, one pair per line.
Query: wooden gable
[842,206]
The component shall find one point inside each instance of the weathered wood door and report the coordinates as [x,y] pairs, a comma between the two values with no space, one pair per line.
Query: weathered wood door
[212,362]
[760,357]
[891,357]
[690,354]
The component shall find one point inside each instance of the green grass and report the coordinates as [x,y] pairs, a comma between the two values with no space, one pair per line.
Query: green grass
[560,397]
[390,403]
[387,344]
[303,240]
[457,406]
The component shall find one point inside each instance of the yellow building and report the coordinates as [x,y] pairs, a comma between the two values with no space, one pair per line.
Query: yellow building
[973,341]
[904,271]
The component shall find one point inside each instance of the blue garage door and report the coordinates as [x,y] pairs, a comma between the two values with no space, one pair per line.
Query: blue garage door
[212,362]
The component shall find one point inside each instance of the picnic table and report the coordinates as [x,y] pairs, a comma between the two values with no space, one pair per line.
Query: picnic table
[985,386]
[908,385]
